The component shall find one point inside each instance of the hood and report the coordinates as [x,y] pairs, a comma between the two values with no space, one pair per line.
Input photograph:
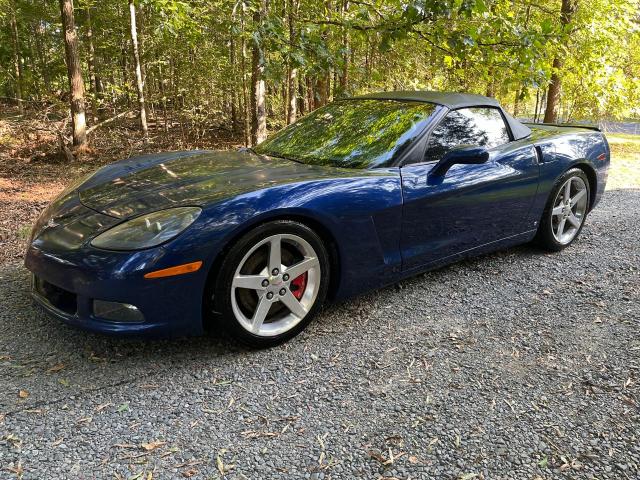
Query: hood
[153,182]
[66,224]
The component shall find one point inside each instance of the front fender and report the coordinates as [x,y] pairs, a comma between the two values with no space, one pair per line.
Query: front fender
[361,214]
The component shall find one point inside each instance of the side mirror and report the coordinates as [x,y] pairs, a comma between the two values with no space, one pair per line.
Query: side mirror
[467,154]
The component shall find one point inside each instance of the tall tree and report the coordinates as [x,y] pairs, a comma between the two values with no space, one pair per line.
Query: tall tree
[74,74]
[246,103]
[258,92]
[92,68]
[136,59]
[292,70]
[553,93]
[344,74]
[17,60]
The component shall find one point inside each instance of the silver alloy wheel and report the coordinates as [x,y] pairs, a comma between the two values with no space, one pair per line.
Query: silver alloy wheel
[272,285]
[569,210]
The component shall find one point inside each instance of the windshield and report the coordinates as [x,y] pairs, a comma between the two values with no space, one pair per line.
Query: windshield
[351,133]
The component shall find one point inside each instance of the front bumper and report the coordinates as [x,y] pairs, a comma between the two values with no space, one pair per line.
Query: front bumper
[170,306]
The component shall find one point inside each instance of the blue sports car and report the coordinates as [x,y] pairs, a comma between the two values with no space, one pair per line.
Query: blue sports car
[356,195]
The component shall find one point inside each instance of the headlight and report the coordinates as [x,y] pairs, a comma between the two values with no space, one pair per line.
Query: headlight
[148,230]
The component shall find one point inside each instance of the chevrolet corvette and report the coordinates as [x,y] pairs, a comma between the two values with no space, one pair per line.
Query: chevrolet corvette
[358,194]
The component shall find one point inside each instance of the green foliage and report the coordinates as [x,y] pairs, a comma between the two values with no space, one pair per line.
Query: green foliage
[197,54]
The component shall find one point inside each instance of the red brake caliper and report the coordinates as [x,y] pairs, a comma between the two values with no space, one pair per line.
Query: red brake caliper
[298,285]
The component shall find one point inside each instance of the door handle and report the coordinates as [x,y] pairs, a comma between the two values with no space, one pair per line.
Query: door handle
[539,154]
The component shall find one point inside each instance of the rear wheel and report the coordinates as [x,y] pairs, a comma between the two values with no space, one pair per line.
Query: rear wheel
[271,283]
[565,212]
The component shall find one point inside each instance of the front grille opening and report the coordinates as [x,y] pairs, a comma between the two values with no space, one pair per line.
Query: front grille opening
[59,298]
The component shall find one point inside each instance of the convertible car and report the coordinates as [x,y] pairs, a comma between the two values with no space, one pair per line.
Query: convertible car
[358,194]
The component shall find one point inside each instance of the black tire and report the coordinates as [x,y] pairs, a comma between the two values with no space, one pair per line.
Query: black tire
[545,236]
[220,290]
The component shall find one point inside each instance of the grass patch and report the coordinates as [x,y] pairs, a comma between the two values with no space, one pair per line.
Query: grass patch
[625,161]
[24,231]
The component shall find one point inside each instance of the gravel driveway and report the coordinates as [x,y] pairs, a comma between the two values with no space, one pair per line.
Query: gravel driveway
[516,365]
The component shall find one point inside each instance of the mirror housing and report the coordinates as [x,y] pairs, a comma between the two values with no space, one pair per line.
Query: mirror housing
[465,154]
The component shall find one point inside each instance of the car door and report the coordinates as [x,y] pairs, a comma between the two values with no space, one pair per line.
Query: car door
[472,205]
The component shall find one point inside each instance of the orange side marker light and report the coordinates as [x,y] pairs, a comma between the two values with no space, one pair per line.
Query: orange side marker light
[177,270]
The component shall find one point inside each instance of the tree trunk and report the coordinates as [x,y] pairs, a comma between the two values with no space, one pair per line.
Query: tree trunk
[344,74]
[258,110]
[143,68]
[136,59]
[39,36]
[311,97]
[292,72]
[245,101]
[292,107]
[74,74]
[323,88]
[302,97]
[520,93]
[17,62]
[553,93]
[234,82]
[92,68]
[164,98]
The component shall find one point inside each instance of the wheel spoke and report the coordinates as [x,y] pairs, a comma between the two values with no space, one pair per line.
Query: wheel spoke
[253,282]
[567,189]
[293,304]
[557,210]
[578,196]
[561,227]
[260,314]
[299,268]
[573,220]
[275,254]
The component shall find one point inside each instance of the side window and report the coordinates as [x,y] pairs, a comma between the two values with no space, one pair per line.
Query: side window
[468,126]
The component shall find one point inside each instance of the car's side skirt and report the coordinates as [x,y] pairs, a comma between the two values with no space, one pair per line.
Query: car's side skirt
[506,242]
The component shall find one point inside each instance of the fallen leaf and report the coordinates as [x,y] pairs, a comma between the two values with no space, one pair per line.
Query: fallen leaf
[468,476]
[23,394]
[189,473]
[56,368]
[18,470]
[99,408]
[153,445]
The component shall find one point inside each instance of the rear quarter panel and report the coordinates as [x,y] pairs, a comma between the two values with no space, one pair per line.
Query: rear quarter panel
[564,148]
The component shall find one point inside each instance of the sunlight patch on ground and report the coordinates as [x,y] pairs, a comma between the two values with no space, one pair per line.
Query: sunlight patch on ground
[16,191]
[625,161]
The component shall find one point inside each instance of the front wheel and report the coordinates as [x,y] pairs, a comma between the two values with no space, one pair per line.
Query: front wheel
[271,283]
[565,212]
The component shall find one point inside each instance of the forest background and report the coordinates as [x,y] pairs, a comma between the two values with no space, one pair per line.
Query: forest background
[90,82]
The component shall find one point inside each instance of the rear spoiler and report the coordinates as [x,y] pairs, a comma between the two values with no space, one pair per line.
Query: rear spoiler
[569,125]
